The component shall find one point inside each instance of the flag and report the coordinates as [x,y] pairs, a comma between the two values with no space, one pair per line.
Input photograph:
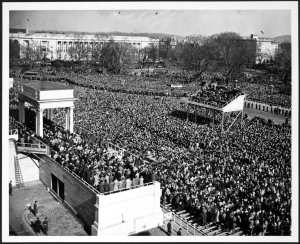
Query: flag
[28,20]
[262,32]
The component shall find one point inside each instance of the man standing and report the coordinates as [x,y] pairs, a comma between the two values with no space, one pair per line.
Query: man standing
[37,225]
[45,225]
[10,188]
[169,226]
[35,210]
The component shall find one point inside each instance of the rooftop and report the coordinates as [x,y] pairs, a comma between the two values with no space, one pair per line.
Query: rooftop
[42,85]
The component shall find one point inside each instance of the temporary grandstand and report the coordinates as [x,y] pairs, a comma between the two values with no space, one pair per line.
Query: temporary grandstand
[219,99]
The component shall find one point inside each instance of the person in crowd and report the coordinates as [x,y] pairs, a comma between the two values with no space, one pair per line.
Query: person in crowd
[45,226]
[10,188]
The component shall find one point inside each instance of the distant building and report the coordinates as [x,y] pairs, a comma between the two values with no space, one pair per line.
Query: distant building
[172,41]
[56,46]
[266,48]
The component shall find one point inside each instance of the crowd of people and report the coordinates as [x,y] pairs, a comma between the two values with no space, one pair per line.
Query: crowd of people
[240,178]
[215,95]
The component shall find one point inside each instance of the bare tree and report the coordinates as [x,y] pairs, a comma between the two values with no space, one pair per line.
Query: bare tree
[197,54]
[283,60]
[230,57]
[32,53]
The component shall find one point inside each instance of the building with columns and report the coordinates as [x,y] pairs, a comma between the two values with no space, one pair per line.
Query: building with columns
[42,97]
[56,46]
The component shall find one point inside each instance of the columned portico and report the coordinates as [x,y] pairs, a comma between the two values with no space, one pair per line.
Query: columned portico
[42,95]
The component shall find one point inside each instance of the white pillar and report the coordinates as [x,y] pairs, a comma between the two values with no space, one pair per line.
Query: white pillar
[21,111]
[39,122]
[71,119]
[67,111]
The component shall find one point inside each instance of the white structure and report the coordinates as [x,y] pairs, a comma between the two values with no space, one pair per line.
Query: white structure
[128,212]
[266,48]
[45,96]
[56,46]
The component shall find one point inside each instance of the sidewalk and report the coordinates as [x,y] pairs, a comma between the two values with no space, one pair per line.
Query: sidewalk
[61,221]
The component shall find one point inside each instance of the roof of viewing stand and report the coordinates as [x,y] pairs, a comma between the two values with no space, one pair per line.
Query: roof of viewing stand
[43,85]
[204,105]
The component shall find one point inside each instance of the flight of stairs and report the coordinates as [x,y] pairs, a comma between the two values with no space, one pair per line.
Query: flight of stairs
[18,172]
[210,229]
[29,167]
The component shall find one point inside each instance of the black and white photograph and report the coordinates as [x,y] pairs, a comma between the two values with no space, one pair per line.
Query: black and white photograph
[150,119]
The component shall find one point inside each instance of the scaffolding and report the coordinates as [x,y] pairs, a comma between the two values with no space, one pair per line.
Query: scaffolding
[236,104]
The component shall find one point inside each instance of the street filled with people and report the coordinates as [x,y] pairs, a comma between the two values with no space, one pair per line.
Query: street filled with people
[239,178]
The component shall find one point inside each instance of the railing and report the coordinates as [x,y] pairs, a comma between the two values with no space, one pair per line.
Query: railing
[126,189]
[13,132]
[15,144]
[188,228]
[39,145]
[267,103]
[232,99]
[75,176]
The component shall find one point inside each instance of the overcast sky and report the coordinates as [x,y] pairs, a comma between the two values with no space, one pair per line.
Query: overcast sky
[186,22]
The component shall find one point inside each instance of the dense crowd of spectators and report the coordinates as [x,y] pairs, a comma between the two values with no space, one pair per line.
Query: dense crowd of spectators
[240,178]
[258,88]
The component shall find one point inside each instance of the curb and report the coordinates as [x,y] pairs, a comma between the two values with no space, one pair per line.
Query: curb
[28,222]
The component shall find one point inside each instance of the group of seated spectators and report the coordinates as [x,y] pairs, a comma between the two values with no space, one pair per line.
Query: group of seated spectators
[215,95]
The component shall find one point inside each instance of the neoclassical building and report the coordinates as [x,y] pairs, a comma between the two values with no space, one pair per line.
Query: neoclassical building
[56,46]
[266,48]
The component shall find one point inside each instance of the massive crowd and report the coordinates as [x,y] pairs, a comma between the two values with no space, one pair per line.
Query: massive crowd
[241,178]
[258,88]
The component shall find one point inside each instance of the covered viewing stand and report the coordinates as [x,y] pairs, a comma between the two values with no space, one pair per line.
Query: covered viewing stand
[45,96]
[234,105]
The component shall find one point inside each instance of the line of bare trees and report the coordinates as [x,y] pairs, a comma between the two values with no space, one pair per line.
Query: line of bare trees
[226,52]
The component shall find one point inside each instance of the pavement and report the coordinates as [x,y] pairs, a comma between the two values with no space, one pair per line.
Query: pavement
[20,217]
[278,119]
[33,191]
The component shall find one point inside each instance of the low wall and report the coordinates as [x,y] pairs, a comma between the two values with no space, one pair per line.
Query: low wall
[77,195]
[267,108]
[128,212]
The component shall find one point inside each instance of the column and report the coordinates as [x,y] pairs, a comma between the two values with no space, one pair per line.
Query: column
[67,110]
[47,113]
[71,119]
[39,122]
[50,113]
[195,113]
[21,111]
[187,113]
